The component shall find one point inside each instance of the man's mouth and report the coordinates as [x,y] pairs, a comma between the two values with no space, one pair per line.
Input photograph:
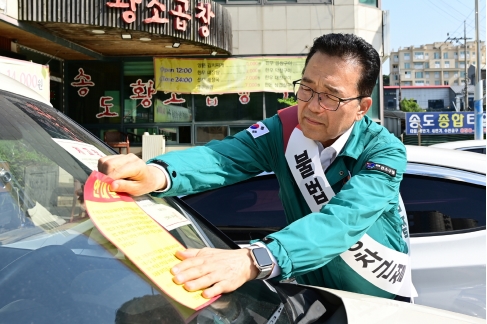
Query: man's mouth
[312,122]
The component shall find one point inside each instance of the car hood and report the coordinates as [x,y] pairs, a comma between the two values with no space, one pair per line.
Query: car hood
[368,309]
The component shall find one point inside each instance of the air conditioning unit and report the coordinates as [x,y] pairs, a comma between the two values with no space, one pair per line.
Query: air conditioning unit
[152,146]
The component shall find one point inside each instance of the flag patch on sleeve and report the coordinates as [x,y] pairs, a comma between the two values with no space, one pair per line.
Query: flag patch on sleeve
[380,167]
[257,129]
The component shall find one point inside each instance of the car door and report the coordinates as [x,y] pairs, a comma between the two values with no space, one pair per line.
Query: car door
[446,213]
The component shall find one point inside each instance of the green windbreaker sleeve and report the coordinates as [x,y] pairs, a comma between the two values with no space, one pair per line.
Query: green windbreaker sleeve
[219,163]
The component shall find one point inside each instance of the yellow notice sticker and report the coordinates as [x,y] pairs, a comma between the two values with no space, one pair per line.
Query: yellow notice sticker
[144,241]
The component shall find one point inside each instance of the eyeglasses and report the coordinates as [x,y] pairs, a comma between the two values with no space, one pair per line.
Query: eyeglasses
[327,101]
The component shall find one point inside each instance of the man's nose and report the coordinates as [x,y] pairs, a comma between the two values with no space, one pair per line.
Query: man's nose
[314,104]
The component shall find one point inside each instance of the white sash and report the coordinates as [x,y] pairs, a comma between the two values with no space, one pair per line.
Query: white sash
[382,266]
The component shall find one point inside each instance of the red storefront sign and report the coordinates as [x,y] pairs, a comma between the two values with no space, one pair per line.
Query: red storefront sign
[179,13]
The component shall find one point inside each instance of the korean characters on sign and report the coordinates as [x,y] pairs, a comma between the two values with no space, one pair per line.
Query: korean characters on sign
[440,123]
[143,91]
[305,167]
[83,81]
[180,12]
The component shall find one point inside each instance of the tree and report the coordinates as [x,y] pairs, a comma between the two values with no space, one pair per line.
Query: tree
[290,101]
[409,105]
[386,80]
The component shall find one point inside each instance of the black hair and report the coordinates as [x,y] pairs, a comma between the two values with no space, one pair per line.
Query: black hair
[351,47]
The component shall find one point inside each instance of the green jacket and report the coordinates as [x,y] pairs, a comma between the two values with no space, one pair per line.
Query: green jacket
[308,248]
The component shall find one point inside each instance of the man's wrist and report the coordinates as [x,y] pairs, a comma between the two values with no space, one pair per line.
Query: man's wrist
[162,180]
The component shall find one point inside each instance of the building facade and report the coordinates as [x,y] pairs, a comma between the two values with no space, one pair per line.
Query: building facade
[434,64]
[105,58]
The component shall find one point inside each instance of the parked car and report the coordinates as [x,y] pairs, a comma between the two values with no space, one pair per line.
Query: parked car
[444,195]
[56,267]
[476,146]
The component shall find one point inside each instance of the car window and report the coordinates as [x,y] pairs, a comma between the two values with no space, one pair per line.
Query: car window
[475,150]
[252,208]
[55,266]
[439,205]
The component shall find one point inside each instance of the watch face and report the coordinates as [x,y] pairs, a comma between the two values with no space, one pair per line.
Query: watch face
[262,257]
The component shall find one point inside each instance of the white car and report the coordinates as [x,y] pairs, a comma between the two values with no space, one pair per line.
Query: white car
[476,146]
[444,195]
[56,267]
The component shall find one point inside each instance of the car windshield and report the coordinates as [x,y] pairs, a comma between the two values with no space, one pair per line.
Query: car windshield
[55,266]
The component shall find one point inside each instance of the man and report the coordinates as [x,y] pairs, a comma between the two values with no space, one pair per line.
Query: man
[339,175]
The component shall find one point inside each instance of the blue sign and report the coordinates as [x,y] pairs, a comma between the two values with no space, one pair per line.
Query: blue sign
[441,123]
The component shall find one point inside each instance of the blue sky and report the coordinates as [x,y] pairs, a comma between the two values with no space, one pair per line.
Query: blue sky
[418,22]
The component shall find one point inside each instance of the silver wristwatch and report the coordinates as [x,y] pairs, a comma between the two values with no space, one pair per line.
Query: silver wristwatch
[262,261]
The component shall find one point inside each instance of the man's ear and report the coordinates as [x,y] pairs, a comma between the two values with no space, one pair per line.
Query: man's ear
[365,104]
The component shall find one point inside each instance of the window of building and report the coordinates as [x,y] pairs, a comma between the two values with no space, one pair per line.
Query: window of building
[94,95]
[462,65]
[427,75]
[437,82]
[455,55]
[436,55]
[445,55]
[426,65]
[396,77]
[407,56]
[462,74]
[407,74]
[408,83]
[396,58]
[419,82]
[395,66]
[437,75]
[407,65]
[446,74]
[427,82]
[447,64]
[369,2]
[418,75]
[229,107]
[437,64]
[462,55]
[418,55]
[445,82]
[418,66]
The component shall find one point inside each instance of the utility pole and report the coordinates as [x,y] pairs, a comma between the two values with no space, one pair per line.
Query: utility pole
[400,93]
[479,128]
[457,39]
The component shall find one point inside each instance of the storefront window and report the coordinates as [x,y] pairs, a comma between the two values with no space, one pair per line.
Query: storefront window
[205,134]
[93,92]
[229,107]
[272,104]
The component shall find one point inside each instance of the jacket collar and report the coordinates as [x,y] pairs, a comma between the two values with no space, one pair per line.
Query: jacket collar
[356,142]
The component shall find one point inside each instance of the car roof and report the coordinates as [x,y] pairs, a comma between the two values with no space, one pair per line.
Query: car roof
[462,160]
[11,85]
[461,144]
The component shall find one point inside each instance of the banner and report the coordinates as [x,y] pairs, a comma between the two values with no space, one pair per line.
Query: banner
[231,75]
[33,75]
[441,123]
[127,224]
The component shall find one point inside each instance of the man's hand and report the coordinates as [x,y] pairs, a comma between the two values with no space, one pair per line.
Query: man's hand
[131,174]
[217,271]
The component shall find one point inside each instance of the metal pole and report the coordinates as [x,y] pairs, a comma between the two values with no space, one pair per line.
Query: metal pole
[465,95]
[478,127]
[400,93]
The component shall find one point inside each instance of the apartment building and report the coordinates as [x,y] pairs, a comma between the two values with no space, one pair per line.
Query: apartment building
[434,64]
